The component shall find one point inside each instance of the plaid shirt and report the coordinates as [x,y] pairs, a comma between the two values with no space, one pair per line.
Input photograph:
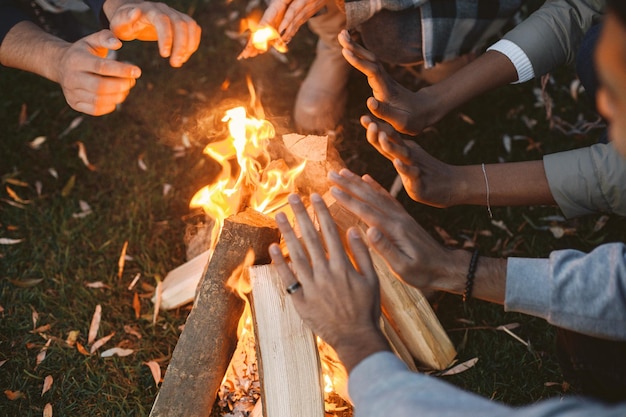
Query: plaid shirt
[450,28]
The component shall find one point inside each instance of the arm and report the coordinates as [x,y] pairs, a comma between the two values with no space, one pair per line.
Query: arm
[382,386]
[409,251]
[582,292]
[430,181]
[91,83]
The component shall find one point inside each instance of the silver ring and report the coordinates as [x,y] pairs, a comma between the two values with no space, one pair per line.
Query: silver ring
[293,287]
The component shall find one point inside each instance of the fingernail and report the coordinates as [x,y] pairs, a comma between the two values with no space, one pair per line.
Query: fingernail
[135,73]
[374,234]
[373,103]
[293,199]
[281,217]
[316,198]
[333,175]
[347,173]
[354,234]
[275,250]
[336,191]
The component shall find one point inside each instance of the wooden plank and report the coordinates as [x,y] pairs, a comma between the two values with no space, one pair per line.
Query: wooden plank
[287,355]
[207,343]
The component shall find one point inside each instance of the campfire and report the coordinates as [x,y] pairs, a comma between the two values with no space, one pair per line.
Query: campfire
[243,343]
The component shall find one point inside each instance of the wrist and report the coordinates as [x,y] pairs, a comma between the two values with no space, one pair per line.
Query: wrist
[451,274]
[354,348]
[468,186]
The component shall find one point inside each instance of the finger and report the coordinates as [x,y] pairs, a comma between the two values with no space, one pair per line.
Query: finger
[369,68]
[384,247]
[397,118]
[111,68]
[286,275]
[297,254]
[95,105]
[394,149]
[357,51]
[101,42]
[165,32]
[180,42]
[329,230]
[309,234]
[361,255]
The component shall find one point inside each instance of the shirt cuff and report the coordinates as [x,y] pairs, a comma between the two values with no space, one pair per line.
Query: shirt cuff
[528,287]
[518,57]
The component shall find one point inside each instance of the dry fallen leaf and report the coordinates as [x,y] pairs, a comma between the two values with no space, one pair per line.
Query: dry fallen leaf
[13,395]
[132,284]
[15,197]
[445,236]
[156,371]
[462,367]
[95,324]
[97,285]
[157,303]
[82,154]
[37,142]
[100,342]
[73,125]
[35,318]
[468,147]
[42,353]
[3,362]
[466,119]
[25,283]
[72,336]
[69,186]
[81,349]
[47,384]
[137,306]
[53,173]
[130,330]
[120,262]
[7,241]
[47,410]
[140,162]
[41,329]
[116,351]
[23,117]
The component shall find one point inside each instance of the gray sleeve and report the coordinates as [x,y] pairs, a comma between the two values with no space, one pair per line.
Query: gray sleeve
[551,35]
[382,386]
[582,292]
[588,180]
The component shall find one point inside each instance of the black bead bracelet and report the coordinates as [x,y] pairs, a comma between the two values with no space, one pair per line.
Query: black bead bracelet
[469,283]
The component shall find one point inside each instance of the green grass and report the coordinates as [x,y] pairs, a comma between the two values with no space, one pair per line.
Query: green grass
[128,204]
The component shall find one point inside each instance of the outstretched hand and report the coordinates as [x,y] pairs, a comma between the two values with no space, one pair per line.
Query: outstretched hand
[91,83]
[178,35]
[338,299]
[409,251]
[426,179]
[406,111]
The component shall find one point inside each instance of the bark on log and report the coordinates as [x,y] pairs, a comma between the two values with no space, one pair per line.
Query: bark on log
[207,343]
[287,356]
[404,306]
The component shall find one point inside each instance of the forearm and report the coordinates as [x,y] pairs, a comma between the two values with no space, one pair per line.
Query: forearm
[487,72]
[27,47]
[509,184]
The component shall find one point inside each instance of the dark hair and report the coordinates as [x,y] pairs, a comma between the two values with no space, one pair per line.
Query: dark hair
[619,8]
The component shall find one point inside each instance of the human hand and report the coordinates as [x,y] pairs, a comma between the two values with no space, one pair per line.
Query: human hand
[406,111]
[287,17]
[178,35]
[338,300]
[426,179]
[91,83]
[409,251]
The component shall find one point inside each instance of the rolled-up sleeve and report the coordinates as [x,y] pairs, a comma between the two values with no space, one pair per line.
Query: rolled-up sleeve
[588,180]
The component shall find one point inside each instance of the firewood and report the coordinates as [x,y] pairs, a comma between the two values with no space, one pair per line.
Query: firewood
[206,345]
[287,355]
[404,306]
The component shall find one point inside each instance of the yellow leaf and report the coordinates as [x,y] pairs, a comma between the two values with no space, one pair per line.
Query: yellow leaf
[15,197]
[72,336]
[137,306]
[82,154]
[47,384]
[121,261]
[25,283]
[69,185]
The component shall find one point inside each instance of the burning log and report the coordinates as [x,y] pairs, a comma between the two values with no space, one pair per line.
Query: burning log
[405,308]
[287,355]
[209,338]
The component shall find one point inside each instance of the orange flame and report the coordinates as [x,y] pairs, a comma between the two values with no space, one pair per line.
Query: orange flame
[258,184]
[265,36]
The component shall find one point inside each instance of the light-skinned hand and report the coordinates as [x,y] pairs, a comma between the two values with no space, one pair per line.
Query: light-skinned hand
[426,179]
[177,34]
[409,251]
[91,83]
[339,298]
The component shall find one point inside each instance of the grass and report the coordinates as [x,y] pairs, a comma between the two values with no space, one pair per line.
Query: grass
[45,274]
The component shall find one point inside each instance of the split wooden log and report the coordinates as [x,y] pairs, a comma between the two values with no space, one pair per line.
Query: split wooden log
[404,306]
[207,343]
[287,355]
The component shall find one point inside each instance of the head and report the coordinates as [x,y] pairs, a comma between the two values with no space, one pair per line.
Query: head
[610,59]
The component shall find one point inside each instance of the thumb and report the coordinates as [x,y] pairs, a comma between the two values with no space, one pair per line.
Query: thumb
[383,246]
[103,41]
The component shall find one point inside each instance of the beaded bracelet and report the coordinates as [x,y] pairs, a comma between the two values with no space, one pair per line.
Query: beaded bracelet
[469,283]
